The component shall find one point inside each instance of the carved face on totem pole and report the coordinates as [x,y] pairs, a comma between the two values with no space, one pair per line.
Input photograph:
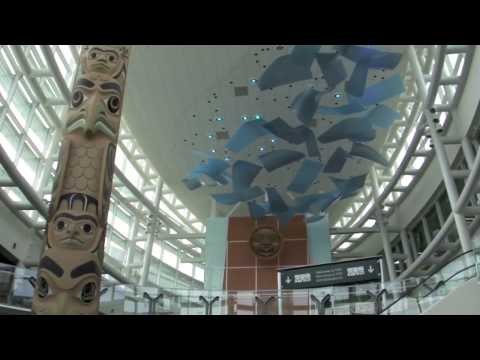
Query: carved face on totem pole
[70,268]
[95,107]
[76,224]
[107,59]
[67,284]
[97,94]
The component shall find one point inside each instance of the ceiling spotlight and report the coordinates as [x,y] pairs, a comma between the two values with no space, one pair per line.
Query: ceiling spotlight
[219,118]
[252,81]
[213,151]
[210,136]
[227,158]
[258,117]
[244,117]
[261,148]
[273,140]
[337,96]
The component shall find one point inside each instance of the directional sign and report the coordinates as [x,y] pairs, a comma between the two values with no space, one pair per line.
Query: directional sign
[332,274]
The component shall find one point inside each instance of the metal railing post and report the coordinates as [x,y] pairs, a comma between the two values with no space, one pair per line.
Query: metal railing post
[321,304]
[263,304]
[208,304]
[152,302]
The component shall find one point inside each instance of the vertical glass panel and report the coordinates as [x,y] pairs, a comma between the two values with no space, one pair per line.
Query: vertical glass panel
[419,237]
[20,106]
[169,258]
[28,164]
[122,222]
[38,133]
[9,138]
[433,222]
[6,75]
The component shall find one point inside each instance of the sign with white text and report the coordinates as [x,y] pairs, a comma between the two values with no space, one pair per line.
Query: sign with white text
[332,274]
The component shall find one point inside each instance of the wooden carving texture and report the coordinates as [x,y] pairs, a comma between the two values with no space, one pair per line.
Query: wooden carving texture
[71,265]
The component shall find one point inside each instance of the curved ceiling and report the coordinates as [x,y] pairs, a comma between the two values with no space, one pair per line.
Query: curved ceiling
[175,94]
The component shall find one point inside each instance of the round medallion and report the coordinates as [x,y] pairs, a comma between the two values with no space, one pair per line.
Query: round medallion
[265,242]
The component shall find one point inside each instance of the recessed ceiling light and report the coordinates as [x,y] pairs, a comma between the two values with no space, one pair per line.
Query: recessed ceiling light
[219,118]
[213,150]
[258,117]
[337,96]
[210,136]
[261,148]
[244,117]
[273,140]
[227,158]
[252,81]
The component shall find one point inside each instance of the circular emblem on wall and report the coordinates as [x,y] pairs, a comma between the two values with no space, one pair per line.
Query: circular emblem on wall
[265,242]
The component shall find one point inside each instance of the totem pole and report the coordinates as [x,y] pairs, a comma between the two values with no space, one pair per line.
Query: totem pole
[70,267]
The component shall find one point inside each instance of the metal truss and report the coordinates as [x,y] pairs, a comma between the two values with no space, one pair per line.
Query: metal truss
[406,146]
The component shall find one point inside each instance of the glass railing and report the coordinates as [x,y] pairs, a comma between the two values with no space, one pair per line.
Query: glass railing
[418,294]
[409,297]
[16,286]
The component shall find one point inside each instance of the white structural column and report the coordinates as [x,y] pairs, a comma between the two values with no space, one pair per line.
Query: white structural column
[387,247]
[131,247]
[450,185]
[213,208]
[441,154]
[154,225]
[468,152]
[469,158]
[406,247]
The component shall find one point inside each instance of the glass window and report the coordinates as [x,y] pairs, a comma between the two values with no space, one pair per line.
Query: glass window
[116,250]
[445,205]
[122,222]
[9,137]
[419,237]
[38,132]
[186,268]
[169,258]
[28,164]
[433,222]
[199,274]
[460,183]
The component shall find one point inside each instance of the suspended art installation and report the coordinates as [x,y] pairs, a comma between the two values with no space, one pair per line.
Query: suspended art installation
[356,123]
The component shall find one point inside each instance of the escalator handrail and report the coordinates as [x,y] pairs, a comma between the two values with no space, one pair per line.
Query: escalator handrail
[444,282]
[410,291]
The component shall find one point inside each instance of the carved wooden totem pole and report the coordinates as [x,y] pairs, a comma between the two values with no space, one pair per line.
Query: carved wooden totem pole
[70,267]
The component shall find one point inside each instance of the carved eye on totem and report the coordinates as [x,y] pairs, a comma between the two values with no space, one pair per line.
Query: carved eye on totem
[88,293]
[60,225]
[113,58]
[87,228]
[93,54]
[42,287]
[113,104]
[77,98]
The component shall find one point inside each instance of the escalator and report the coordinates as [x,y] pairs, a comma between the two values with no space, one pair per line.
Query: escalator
[421,296]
